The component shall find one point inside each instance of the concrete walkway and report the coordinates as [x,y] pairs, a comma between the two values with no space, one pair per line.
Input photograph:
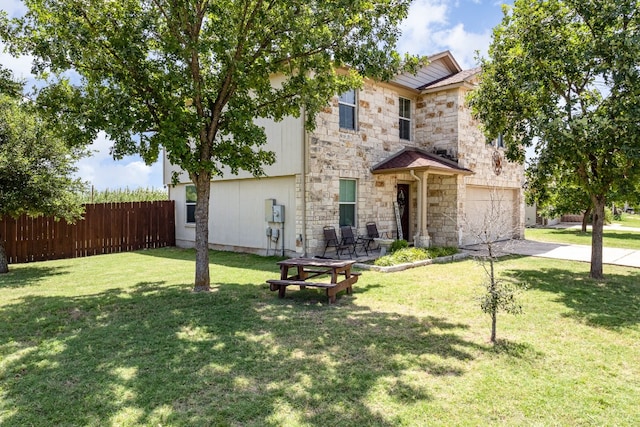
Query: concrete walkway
[615,256]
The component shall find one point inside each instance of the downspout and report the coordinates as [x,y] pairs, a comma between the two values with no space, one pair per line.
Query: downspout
[303,184]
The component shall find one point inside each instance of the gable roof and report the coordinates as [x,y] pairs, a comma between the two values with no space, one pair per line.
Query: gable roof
[457,79]
[414,158]
[441,65]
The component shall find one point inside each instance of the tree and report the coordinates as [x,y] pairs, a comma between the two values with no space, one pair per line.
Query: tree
[191,76]
[556,192]
[563,75]
[35,165]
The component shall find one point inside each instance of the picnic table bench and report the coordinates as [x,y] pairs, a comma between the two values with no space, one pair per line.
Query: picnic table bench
[309,268]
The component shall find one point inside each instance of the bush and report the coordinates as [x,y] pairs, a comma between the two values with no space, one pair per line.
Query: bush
[124,195]
[398,244]
[406,255]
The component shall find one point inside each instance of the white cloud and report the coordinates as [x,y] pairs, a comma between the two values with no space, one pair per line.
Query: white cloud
[428,30]
[102,171]
[417,29]
[464,44]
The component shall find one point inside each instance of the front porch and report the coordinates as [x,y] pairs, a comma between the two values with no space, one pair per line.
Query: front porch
[427,203]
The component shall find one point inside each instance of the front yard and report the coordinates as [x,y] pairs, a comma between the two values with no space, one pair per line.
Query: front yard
[121,340]
[623,239]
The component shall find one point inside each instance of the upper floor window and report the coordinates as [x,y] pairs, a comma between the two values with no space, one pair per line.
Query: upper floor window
[190,197]
[347,105]
[405,118]
[498,142]
[347,202]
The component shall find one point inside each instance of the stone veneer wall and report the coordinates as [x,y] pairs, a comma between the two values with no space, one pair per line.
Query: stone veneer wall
[335,153]
[442,196]
[446,123]
[441,121]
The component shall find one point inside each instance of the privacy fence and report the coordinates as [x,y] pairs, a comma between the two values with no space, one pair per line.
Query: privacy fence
[106,228]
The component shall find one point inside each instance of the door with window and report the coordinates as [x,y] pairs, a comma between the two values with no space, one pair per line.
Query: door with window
[402,198]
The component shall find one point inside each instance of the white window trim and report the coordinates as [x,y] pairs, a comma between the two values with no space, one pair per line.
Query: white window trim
[186,207]
[355,110]
[354,203]
[407,119]
[498,142]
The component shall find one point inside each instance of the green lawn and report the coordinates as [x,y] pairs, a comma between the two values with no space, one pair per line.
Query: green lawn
[121,340]
[612,238]
[629,220]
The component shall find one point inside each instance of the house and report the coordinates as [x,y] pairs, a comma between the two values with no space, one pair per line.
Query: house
[406,154]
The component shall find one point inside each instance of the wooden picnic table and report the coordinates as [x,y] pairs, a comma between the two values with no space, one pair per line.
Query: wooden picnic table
[309,268]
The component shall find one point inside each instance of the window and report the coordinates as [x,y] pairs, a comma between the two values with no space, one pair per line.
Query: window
[347,202]
[498,142]
[405,119]
[191,197]
[347,105]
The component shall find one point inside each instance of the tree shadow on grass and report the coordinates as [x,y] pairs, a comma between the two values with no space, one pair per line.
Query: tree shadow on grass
[612,303]
[28,275]
[157,355]
[219,258]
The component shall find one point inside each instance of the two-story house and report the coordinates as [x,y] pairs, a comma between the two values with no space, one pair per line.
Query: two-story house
[406,154]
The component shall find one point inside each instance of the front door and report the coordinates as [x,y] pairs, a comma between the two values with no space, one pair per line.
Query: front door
[403,207]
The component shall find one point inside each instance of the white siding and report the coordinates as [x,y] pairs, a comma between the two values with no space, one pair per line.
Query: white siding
[237,214]
[432,72]
[284,138]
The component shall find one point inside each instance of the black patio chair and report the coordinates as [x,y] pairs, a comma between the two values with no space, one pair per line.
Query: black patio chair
[373,233]
[331,240]
[348,238]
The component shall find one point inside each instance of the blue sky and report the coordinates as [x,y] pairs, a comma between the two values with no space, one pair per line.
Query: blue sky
[461,26]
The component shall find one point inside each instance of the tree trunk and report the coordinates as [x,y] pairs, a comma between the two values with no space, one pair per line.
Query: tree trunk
[203,190]
[585,219]
[4,263]
[596,238]
[494,321]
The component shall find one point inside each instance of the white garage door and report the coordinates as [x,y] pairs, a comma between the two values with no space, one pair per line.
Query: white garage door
[490,213]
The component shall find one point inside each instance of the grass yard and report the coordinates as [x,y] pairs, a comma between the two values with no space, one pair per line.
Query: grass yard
[629,220]
[121,340]
[612,238]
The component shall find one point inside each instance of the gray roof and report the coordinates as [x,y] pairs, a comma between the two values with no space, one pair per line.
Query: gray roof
[456,78]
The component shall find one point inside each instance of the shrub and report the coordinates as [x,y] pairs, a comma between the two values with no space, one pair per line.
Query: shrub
[398,244]
[406,255]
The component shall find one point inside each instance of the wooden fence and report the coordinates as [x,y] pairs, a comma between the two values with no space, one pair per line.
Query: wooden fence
[106,228]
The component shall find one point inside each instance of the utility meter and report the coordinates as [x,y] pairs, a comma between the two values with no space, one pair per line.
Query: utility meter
[278,213]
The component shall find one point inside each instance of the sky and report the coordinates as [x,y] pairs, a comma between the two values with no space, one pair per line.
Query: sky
[462,26]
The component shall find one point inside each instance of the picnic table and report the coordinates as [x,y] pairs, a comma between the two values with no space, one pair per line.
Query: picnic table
[309,268]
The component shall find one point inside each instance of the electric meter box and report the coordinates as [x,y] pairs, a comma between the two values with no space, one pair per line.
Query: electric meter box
[268,209]
[278,213]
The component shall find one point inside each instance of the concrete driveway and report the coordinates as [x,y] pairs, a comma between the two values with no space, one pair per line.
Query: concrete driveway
[615,256]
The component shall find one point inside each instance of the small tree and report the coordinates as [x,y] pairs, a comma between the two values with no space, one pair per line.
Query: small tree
[35,167]
[494,226]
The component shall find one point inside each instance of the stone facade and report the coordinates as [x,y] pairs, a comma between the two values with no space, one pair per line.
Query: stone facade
[441,124]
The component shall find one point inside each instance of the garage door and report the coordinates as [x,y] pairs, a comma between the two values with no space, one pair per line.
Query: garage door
[490,213]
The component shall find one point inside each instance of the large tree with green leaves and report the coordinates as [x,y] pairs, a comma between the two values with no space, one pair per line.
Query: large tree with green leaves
[191,76]
[36,165]
[564,75]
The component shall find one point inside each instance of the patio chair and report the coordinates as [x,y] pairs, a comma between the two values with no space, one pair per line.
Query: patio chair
[348,238]
[372,233]
[331,240]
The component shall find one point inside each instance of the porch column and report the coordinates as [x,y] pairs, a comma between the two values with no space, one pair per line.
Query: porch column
[421,237]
